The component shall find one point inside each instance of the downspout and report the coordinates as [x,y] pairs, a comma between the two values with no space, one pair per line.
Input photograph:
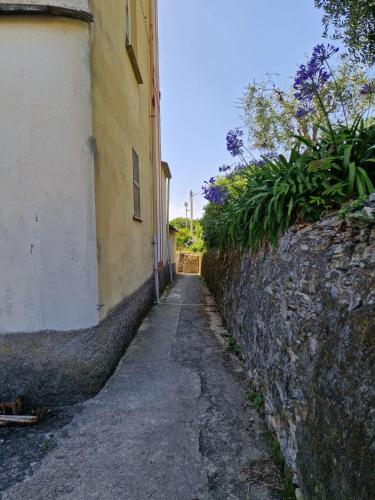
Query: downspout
[167,229]
[156,271]
[154,159]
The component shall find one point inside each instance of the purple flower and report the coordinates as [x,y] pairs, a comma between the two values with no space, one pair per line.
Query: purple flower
[234,142]
[213,193]
[311,77]
[259,163]
[224,168]
[367,89]
[240,166]
[303,111]
[322,53]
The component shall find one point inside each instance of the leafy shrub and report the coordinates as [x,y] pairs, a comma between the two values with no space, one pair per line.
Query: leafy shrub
[256,203]
[311,182]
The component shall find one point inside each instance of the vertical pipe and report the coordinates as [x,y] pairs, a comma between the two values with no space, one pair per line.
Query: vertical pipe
[155,144]
[167,229]
[156,273]
[191,214]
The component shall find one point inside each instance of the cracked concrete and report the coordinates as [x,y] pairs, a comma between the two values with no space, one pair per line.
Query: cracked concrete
[171,423]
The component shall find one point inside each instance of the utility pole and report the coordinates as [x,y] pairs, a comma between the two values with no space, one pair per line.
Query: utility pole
[186,214]
[191,213]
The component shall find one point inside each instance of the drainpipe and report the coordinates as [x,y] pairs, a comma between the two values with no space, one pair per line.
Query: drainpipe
[168,238]
[156,273]
[155,145]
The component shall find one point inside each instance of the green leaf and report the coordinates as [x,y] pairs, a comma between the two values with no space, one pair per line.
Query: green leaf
[352,172]
[360,186]
[347,154]
[367,181]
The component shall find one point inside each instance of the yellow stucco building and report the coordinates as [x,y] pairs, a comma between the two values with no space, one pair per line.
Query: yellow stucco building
[83,193]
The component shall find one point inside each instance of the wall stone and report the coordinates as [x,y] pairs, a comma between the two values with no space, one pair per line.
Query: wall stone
[304,316]
[189,263]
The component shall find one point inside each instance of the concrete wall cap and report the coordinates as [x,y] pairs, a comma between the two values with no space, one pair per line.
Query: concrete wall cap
[78,9]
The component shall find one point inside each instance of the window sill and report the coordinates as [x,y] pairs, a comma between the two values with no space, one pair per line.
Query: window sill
[134,63]
[137,219]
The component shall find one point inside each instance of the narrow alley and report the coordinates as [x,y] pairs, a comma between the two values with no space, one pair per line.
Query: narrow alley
[173,421]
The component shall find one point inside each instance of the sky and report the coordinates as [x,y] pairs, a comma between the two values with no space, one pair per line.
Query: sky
[210,50]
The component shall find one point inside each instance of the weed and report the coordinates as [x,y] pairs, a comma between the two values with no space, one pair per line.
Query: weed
[46,446]
[288,488]
[233,346]
[356,210]
[256,399]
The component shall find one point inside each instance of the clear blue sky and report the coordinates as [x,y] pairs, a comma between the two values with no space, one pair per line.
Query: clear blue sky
[209,51]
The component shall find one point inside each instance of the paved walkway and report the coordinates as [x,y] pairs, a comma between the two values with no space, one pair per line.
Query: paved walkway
[171,423]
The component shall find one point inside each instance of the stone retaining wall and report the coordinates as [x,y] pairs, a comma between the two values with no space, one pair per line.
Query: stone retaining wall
[304,316]
[189,263]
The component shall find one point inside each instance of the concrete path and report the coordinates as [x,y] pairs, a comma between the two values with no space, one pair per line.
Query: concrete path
[171,423]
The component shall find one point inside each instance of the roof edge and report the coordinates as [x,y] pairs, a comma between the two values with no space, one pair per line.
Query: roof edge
[45,9]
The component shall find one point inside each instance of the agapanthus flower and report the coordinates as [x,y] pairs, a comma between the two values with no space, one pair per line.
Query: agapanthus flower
[368,89]
[322,53]
[234,142]
[311,77]
[303,111]
[240,166]
[224,168]
[214,193]
[259,163]
[270,155]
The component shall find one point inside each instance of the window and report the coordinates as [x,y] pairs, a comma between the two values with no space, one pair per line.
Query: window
[131,36]
[136,187]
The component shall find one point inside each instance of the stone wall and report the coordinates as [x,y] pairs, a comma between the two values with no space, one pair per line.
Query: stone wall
[304,316]
[189,263]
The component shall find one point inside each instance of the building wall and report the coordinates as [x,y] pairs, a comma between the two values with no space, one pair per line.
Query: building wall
[123,118]
[164,212]
[48,265]
[172,243]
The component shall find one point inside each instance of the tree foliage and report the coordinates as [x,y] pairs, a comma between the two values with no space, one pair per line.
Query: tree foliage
[353,21]
[269,112]
[185,240]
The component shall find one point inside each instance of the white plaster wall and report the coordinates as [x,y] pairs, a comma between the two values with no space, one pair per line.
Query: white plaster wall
[69,4]
[48,265]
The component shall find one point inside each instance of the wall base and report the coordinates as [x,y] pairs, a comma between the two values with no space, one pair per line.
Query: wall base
[54,368]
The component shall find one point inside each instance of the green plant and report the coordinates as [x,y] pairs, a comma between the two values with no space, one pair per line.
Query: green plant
[198,246]
[318,177]
[270,112]
[354,23]
[288,488]
[357,210]
[256,399]
[233,346]
[46,445]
